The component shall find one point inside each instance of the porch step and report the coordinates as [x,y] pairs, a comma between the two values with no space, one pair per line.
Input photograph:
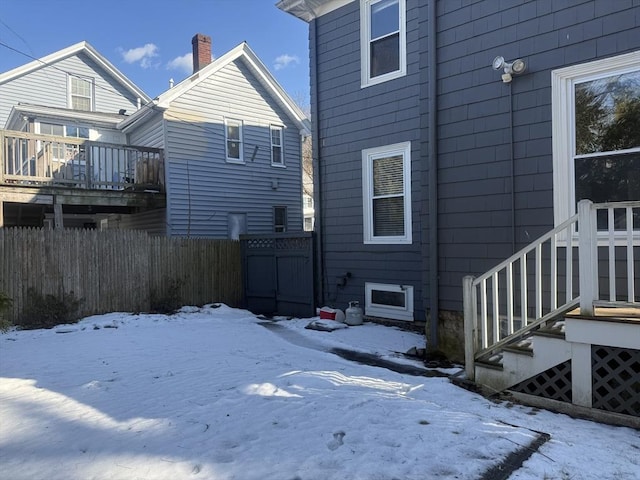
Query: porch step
[552,330]
[489,364]
[519,350]
[523,360]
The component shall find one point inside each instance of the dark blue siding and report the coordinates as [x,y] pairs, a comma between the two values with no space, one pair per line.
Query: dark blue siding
[488,132]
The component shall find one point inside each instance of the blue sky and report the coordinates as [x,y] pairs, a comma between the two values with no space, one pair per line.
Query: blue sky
[150,40]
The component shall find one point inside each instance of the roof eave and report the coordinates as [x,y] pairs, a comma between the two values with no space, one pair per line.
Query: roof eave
[308,10]
[73,50]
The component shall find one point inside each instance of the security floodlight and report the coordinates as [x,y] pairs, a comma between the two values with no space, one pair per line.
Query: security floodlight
[498,63]
[516,67]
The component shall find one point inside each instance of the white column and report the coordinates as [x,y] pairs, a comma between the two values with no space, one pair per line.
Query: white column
[587,256]
[581,374]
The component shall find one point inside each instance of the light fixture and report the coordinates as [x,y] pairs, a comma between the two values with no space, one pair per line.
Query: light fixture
[516,67]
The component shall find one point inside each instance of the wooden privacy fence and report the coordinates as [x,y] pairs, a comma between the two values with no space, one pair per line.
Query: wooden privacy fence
[117,270]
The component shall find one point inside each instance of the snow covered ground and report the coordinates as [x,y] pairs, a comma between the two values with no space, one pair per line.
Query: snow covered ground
[210,393]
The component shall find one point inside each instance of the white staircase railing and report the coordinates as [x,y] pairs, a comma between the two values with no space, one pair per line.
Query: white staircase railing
[538,284]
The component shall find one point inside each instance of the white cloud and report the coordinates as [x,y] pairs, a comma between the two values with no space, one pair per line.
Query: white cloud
[283,61]
[142,55]
[182,63]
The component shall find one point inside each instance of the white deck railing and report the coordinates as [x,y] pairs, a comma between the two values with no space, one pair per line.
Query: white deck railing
[591,259]
[33,159]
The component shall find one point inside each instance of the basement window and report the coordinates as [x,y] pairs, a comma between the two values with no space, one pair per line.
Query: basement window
[389,301]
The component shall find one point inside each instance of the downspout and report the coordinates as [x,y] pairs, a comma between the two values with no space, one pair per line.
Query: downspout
[513,173]
[315,158]
[433,176]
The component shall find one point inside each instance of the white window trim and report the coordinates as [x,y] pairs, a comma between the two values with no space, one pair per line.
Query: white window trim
[280,128]
[563,113]
[91,96]
[365,55]
[240,124]
[388,311]
[368,156]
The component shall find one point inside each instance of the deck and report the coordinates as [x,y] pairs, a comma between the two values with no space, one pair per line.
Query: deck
[43,173]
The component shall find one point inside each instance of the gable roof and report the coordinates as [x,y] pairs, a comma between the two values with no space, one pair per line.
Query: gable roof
[81,47]
[257,68]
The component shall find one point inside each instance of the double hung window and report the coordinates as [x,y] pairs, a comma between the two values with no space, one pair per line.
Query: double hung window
[279,219]
[383,40]
[233,136]
[81,93]
[277,154]
[386,178]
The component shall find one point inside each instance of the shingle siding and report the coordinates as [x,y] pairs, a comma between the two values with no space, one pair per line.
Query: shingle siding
[481,121]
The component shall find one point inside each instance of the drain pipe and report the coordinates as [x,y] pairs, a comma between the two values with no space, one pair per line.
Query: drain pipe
[433,176]
[513,172]
[315,158]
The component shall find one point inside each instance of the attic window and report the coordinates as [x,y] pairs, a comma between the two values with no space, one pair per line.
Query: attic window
[81,89]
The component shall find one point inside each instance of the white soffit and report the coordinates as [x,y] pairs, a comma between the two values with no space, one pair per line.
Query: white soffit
[307,10]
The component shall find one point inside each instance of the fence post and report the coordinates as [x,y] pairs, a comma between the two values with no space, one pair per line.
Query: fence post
[469,327]
[587,256]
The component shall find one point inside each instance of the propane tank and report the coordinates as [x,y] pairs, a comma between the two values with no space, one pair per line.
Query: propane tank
[353,314]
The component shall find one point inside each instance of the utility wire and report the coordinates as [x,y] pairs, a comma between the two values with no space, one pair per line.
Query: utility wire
[149,106]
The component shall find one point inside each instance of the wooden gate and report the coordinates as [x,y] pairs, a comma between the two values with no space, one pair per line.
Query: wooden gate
[278,273]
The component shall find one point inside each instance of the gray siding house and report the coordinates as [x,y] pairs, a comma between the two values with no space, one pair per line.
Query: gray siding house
[77,78]
[232,142]
[444,134]
[218,155]
[63,159]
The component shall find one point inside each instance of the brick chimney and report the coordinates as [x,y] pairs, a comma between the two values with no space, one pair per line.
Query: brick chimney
[201,51]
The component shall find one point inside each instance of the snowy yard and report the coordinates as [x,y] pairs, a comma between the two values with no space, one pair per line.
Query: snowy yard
[210,393]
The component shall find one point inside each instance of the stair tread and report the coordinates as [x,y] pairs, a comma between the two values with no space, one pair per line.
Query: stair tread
[520,349]
[489,364]
[550,332]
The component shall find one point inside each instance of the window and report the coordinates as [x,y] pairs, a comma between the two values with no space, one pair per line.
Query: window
[233,134]
[386,187]
[389,301]
[596,133]
[81,93]
[279,219]
[76,132]
[277,156]
[60,151]
[383,40]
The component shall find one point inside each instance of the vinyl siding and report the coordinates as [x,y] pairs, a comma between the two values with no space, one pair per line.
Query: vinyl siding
[477,136]
[152,221]
[203,188]
[49,86]
[149,134]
